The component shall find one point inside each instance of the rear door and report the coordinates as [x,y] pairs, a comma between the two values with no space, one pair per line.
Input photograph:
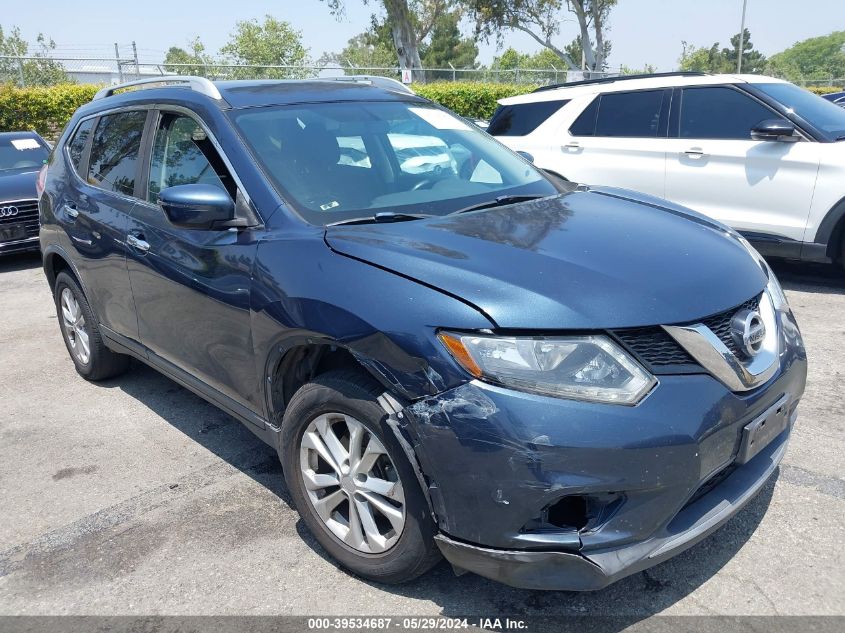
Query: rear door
[713,166]
[619,139]
[192,286]
[95,208]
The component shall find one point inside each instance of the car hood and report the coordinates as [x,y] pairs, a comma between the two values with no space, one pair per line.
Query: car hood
[590,259]
[17,185]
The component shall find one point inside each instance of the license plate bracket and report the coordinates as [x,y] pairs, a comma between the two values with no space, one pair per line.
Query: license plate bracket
[758,433]
[12,232]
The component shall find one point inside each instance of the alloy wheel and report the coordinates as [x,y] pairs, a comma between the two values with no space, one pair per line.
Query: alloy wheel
[352,483]
[74,324]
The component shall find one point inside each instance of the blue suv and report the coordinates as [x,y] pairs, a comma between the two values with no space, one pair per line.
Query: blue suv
[454,354]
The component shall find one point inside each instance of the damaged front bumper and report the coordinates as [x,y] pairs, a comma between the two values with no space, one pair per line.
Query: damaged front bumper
[546,493]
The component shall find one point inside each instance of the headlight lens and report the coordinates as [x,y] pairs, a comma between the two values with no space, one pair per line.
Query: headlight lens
[776,292]
[589,368]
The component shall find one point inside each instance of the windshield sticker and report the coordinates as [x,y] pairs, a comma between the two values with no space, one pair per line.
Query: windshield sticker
[25,143]
[439,119]
[330,205]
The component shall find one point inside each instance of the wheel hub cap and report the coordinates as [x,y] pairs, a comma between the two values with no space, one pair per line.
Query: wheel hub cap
[352,483]
[73,322]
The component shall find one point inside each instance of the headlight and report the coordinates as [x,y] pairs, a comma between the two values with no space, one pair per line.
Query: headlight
[589,368]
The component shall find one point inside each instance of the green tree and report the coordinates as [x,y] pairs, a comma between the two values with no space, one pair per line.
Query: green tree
[814,58]
[409,21]
[753,61]
[575,50]
[447,46]
[722,60]
[38,70]
[541,19]
[364,54]
[271,43]
[197,59]
[704,60]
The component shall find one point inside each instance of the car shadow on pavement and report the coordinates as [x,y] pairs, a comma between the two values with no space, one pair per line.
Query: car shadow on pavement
[20,261]
[806,277]
[204,423]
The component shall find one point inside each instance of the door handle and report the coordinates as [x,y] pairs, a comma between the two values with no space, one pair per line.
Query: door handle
[572,145]
[137,243]
[695,152]
[71,210]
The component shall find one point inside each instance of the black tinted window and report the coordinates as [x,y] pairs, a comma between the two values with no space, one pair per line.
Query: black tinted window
[629,113]
[522,118]
[77,143]
[720,112]
[184,155]
[114,152]
[585,124]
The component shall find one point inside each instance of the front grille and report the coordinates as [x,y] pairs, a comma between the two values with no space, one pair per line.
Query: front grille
[27,214]
[663,354]
[720,325]
[655,347]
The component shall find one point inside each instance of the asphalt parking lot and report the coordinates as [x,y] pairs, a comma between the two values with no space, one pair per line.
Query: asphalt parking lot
[134,496]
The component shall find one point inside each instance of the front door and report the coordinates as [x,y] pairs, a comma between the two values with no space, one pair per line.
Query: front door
[192,286]
[714,167]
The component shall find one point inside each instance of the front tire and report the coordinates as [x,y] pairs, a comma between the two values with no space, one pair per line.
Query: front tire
[351,482]
[92,359]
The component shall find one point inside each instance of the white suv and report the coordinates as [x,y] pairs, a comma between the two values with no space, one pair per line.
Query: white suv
[759,154]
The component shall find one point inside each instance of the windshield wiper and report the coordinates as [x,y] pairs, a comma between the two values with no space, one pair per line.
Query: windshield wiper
[384,217]
[500,202]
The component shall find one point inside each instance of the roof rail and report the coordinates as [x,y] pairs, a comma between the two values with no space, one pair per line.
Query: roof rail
[197,84]
[377,80]
[607,80]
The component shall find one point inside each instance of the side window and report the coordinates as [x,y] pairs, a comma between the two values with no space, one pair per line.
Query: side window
[77,143]
[585,124]
[114,151]
[633,114]
[184,155]
[720,112]
[520,119]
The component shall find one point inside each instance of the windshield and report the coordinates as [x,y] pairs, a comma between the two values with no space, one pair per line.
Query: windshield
[339,161]
[21,153]
[818,112]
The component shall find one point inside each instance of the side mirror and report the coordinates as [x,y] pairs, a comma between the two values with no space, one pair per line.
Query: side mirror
[526,156]
[197,206]
[774,130]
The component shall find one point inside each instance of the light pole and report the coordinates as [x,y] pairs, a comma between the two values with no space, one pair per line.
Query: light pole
[741,37]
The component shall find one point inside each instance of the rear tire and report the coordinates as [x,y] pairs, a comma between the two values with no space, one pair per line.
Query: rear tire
[81,333]
[340,456]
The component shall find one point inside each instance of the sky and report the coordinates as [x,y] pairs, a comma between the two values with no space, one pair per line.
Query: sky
[642,31]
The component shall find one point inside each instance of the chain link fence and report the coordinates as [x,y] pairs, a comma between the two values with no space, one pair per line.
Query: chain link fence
[45,71]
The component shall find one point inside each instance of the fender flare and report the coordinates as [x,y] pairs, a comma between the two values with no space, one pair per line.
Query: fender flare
[831,228]
[46,258]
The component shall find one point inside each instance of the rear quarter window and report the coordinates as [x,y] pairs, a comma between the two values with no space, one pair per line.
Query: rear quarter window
[77,143]
[520,119]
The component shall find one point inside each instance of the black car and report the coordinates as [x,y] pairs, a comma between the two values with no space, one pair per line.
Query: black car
[551,385]
[22,155]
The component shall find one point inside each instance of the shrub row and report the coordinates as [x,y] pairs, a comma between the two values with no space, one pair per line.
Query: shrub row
[470,99]
[45,110]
